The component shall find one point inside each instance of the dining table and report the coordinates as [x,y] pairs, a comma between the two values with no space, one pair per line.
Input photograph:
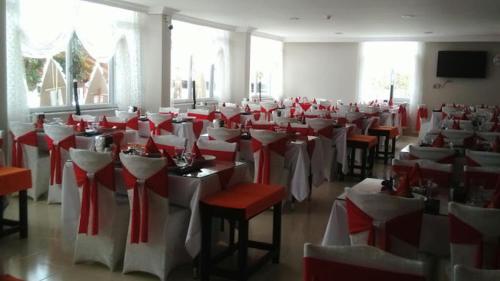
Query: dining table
[185,190]
[434,236]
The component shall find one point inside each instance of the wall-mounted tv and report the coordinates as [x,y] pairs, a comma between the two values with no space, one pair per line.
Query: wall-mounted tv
[462,64]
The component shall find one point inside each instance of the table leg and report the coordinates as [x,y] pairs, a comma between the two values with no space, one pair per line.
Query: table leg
[363,163]
[206,233]
[243,250]
[276,232]
[23,214]
[393,147]
[2,198]
[386,149]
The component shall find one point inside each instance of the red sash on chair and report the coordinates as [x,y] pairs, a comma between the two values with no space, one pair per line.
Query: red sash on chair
[326,132]
[165,125]
[90,202]
[107,124]
[269,127]
[267,113]
[231,120]
[210,117]
[158,183]
[359,123]
[117,141]
[405,227]
[197,127]
[55,156]
[17,147]
[422,113]
[231,140]
[169,150]
[133,123]
[264,167]
[305,106]
[404,116]
[307,131]
[462,233]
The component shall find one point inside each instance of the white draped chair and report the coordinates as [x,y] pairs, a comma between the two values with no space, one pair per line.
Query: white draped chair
[441,174]
[26,154]
[224,134]
[482,158]
[172,110]
[267,109]
[157,231]
[489,136]
[223,151]
[231,116]
[346,263]
[202,114]
[60,139]
[477,176]
[474,236]
[84,117]
[356,118]
[170,144]
[160,123]
[324,128]
[437,154]
[131,119]
[269,150]
[465,273]
[103,222]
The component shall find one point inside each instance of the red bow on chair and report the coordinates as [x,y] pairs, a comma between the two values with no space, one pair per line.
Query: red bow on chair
[229,121]
[405,227]
[305,106]
[165,125]
[197,127]
[422,113]
[326,132]
[158,183]
[267,113]
[133,123]
[55,156]
[71,121]
[438,141]
[404,115]
[90,202]
[17,147]
[151,147]
[264,167]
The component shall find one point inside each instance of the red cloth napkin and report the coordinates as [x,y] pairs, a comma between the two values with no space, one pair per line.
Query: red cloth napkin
[408,180]
[247,108]
[151,146]
[289,128]
[456,125]
[71,121]
[438,141]
[104,122]
[464,117]
[196,151]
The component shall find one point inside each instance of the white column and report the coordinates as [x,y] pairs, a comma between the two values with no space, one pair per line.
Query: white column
[3,68]
[240,63]
[156,47]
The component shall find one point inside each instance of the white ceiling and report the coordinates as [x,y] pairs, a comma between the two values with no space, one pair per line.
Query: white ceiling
[449,20]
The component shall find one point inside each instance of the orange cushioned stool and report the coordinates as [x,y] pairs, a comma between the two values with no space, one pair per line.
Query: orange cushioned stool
[239,204]
[13,179]
[367,145]
[389,133]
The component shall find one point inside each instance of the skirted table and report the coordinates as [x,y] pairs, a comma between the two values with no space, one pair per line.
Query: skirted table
[12,180]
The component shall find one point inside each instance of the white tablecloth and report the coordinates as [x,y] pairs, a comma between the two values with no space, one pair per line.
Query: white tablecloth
[183,191]
[84,142]
[434,236]
[183,129]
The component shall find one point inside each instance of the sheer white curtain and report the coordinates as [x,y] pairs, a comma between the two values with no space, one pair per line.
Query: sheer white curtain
[266,61]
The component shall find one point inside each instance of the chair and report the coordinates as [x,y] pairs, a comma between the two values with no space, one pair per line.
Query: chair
[267,108]
[103,223]
[400,219]
[239,204]
[465,273]
[269,157]
[474,236]
[487,177]
[172,110]
[223,151]
[324,128]
[160,123]
[25,154]
[355,118]
[231,116]
[131,119]
[201,114]
[437,154]
[367,145]
[170,144]
[157,231]
[345,263]
[441,174]
[482,158]
[457,136]
[224,134]
[489,136]
[389,133]
[60,138]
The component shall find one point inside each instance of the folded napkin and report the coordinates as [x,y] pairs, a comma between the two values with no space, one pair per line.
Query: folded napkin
[71,121]
[196,151]
[247,108]
[412,178]
[438,141]
[151,146]
[104,122]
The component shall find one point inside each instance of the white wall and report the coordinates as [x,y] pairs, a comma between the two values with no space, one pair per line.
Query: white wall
[460,90]
[322,70]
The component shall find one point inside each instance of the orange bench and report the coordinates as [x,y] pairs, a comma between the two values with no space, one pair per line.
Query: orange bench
[389,133]
[239,204]
[12,180]
[367,145]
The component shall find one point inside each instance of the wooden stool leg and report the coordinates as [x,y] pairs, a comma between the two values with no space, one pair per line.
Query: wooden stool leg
[393,150]
[206,233]
[23,214]
[386,149]
[232,228]
[351,164]
[2,198]
[243,250]
[276,232]
[377,150]
[363,163]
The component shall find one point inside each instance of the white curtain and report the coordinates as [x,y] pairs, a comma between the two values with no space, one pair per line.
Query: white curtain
[17,104]
[266,60]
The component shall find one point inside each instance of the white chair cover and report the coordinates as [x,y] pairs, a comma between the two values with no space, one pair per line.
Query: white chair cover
[108,245]
[465,273]
[125,115]
[157,119]
[223,134]
[167,226]
[171,140]
[383,208]
[86,118]
[219,149]
[58,133]
[437,154]
[34,159]
[365,257]
[169,110]
[278,173]
[489,136]
[483,158]
[318,124]
[484,221]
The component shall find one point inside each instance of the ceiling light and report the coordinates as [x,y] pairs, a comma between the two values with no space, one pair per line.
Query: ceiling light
[339,33]
[294,18]
[428,32]
[408,17]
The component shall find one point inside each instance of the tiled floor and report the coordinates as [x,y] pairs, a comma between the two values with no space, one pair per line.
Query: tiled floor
[41,256]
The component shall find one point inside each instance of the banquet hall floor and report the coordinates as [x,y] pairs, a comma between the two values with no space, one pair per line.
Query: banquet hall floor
[41,256]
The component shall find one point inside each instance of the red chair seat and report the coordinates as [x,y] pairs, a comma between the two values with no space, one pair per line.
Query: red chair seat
[13,179]
[7,277]
[388,131]
[252,198]
[361,141]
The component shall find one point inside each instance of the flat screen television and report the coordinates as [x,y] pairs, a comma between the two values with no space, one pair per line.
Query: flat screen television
[462,64]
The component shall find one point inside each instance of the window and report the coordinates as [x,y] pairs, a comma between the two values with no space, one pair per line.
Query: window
[386,63]
[49,80]
[199,55]
[266,67]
